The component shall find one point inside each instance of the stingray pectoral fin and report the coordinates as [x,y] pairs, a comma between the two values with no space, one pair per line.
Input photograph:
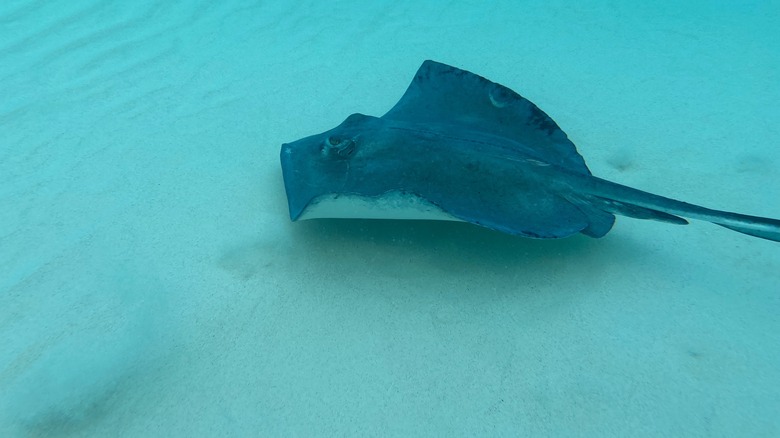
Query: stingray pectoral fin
[532,213]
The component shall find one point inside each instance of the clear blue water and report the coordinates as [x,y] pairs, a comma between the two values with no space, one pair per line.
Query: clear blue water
[151,283]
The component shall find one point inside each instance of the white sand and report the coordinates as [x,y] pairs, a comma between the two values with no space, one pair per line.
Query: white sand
[151,283]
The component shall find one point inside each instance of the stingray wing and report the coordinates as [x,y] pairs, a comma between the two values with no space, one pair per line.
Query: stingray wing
[442,94]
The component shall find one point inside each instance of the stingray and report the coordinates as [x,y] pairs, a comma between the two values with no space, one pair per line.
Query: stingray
[460,147]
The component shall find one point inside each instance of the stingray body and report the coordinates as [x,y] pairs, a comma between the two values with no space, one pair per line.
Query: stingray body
[460,147]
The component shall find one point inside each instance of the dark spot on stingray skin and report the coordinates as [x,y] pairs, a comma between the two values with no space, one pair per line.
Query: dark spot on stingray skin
[542,120]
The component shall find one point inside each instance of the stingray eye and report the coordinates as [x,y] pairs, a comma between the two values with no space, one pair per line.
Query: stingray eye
[338,147]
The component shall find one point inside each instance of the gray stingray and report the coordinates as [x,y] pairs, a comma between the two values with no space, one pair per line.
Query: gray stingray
[460,147]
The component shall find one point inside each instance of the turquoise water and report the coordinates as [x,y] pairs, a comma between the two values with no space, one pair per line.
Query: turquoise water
[151,283]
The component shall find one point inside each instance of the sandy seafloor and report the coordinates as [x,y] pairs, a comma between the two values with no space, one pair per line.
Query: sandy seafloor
[152,284]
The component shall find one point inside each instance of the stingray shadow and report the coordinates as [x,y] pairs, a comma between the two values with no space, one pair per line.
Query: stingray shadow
[454,246]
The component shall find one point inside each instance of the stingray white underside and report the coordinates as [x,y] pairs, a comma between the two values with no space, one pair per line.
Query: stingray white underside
[391,205]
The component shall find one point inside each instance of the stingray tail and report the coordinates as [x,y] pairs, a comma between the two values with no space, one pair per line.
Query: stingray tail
[622,200]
